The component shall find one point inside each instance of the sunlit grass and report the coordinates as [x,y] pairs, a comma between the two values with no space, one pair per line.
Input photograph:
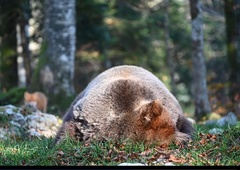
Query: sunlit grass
[204,149]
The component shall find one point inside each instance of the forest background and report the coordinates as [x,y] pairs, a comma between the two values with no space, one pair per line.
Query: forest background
[58,46]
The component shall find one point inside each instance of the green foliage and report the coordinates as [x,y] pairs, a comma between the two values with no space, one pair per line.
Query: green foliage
[59,103]
[14,96]
[90,27]
[11,12]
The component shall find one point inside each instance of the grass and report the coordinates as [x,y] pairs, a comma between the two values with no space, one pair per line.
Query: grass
[204,149]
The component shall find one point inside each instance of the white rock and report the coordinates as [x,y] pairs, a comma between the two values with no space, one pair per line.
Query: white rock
[51,120]
[34,133]
[210,122]
[41,119]
[43,123]
[32,130]
[191,120]
[169,164]
[15,121]
[131,164]
[48,133]
[19,118]
[3,134]
[229,119]
[35,124]
[54,128]
[9,109]
[41,126]
[15,124]
[216,131]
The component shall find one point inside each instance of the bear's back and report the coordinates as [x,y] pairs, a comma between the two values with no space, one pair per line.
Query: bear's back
[120,90]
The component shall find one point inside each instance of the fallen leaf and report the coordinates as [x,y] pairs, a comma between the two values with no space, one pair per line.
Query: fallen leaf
[110,152]
[146,152]
[173,158]
[203,141]
[214,137]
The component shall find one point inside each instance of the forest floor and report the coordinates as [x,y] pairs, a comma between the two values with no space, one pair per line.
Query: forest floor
[204,150]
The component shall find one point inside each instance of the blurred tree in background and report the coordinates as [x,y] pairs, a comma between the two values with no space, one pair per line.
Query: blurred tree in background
[11,14]
[232,14]
[59,33]
[154,34]
[201,101]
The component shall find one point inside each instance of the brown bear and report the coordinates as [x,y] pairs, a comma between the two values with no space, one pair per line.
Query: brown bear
[126,102]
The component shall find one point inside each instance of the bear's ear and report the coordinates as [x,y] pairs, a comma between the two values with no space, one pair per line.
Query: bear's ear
[156,107]
[151,111]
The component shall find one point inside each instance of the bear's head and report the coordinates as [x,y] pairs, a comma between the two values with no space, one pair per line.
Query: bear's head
[154,124]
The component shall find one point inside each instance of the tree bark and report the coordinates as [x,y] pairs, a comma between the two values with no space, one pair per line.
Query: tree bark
[200,92]
[23,53]
[20,60]
[59,36]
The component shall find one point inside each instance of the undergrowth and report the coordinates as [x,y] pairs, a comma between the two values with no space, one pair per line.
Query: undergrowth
[204,149]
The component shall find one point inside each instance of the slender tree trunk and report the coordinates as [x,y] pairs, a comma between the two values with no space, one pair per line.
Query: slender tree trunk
[20,60]
[25,49]
[24,62]
[200,92]
[169,55]
[232,15]
[59,36]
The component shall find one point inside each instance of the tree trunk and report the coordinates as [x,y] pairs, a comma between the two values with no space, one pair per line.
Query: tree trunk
[24,63]
[59,37]
[20,60]
[232,15]
[200,93]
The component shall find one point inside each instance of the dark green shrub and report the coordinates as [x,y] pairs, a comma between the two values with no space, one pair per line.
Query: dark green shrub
[14,96]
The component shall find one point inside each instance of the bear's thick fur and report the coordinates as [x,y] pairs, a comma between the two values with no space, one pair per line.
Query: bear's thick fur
[126,102]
